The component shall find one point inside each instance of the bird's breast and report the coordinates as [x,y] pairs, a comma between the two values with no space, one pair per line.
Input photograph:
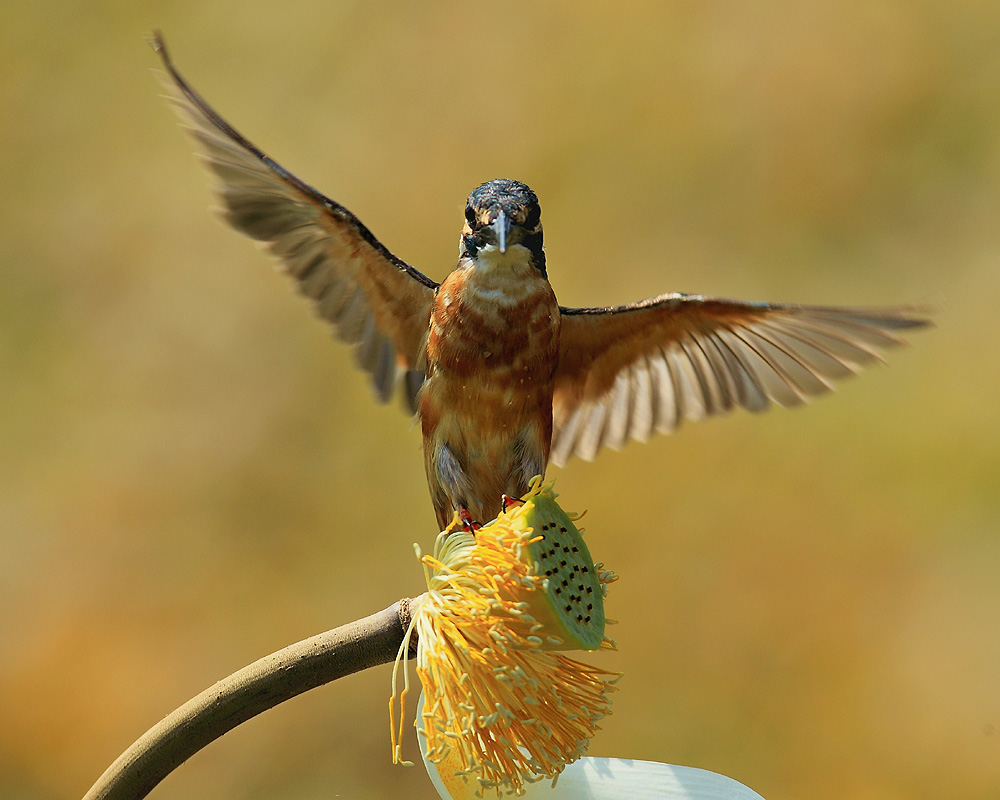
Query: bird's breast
[489,331]
[491,353]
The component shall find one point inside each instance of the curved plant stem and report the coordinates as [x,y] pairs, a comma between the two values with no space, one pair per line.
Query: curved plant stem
[273,679]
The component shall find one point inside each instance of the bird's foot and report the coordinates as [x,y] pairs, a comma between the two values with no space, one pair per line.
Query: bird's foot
[507,501]
[468,523]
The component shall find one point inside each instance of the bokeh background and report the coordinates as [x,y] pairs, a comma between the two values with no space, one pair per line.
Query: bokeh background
[192,475]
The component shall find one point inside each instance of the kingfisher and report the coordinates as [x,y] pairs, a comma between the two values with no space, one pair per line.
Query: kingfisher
[502,378]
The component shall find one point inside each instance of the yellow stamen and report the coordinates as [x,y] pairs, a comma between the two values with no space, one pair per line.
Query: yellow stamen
[500,707]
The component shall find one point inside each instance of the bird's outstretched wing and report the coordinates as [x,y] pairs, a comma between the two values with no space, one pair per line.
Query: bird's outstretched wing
[627,371]
[373,299]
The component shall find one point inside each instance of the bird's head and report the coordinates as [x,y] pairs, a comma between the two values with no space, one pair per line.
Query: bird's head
[502,216]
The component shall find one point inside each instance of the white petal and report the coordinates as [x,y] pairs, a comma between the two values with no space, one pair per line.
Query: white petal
[609,779]
[616,778]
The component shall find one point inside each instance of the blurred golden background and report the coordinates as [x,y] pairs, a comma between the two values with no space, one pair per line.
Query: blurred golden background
[192,474]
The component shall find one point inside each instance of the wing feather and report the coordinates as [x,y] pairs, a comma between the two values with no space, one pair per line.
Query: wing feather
[666,394]
[373,300]
[643,415]
[627,370]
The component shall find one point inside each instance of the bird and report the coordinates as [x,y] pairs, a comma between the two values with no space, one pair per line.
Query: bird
[503,379]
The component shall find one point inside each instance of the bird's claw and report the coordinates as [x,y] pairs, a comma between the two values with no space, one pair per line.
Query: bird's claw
[468,523]
[507,501]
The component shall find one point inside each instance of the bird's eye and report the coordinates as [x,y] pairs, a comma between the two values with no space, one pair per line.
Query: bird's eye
[470,214]
[534,214]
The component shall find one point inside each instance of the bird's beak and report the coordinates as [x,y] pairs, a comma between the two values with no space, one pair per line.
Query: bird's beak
[501,227]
